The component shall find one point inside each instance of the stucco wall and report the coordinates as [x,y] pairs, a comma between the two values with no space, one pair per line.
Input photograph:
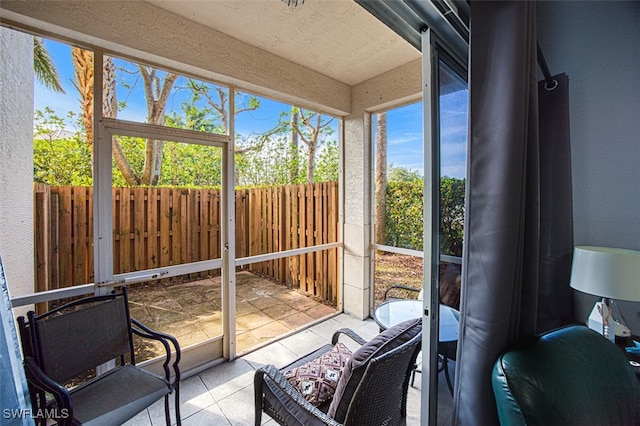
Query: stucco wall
[16,160]
[147,33]
[598,45]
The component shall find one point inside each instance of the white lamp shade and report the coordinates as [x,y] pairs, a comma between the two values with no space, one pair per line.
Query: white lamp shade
[607,272]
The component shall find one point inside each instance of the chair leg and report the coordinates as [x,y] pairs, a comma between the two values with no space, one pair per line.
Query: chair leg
[445,367]
[167,416]
[257,395]
[176,389]
[416,369]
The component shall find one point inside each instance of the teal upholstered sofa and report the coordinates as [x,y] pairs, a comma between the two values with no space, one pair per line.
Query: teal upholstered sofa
[569,376]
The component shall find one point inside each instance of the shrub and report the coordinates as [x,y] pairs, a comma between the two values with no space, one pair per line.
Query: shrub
[404,213]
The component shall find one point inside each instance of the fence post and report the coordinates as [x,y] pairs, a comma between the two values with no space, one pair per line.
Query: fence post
[42,197]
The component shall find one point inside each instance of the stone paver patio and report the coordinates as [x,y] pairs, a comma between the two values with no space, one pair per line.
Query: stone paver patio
[191,311]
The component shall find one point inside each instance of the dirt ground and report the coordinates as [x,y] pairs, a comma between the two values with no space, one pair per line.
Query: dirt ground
[391,268]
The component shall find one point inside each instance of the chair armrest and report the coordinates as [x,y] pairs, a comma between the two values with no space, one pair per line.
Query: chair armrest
[400,287]
[142,330]
[279,380]
[347,332]
[39,380]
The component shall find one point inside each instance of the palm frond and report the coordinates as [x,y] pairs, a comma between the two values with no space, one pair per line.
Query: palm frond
[44,68]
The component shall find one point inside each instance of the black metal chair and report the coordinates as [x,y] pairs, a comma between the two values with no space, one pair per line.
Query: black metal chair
[69,342]
[371,391]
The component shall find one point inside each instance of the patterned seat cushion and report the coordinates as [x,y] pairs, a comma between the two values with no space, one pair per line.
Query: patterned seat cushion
[317,379]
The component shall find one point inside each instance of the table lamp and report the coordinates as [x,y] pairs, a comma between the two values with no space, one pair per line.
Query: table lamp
[610,273]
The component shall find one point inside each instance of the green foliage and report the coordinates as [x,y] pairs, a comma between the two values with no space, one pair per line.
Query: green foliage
[270,161]
[404,213]
[64,158]
[452,192]
[192,166]
[44,68]
[312,130]
[402,174]
[263,161]
[59,157]
[183,165]
[404,207]
[193,119]
[327,168]
[134,150]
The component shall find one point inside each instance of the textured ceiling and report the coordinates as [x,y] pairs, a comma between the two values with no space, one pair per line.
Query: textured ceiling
[337,38]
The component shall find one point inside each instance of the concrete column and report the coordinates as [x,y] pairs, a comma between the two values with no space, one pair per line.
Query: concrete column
[357,214]
[16,160]
[394,88]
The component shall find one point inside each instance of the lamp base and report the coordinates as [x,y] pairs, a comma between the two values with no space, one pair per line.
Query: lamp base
[613,327]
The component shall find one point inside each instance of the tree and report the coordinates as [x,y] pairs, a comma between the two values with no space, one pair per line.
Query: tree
[83,72]
[404,225]
[44,68]
[328,163]
[402,174]
[60,157]
[452,193]
[157,93]
[294,140]
[380,193]
[271,164]
[217,104]
[313,126]
[206,110]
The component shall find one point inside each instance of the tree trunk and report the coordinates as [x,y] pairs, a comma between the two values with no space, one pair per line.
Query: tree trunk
[294,141]
[83,72]
[311,165]
[110,109]
[380,178]
[157,93]
[312,144]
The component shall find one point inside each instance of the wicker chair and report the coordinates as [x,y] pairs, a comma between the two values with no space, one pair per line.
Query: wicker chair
[371,391]
[65,345]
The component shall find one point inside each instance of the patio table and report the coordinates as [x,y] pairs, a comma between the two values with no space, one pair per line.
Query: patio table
[396,311]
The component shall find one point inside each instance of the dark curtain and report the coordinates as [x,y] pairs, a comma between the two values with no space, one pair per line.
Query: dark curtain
[511,254]
[555,306]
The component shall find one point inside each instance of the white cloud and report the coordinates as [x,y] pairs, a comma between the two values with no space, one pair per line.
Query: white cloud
[406,138]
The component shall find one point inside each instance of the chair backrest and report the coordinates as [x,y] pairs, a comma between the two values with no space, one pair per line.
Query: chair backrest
[569,376]
[373,386]
[79,336]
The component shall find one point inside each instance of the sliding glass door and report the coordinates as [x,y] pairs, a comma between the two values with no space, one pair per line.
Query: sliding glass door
[445,100]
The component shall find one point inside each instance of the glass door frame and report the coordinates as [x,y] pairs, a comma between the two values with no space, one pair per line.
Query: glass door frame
[434,51]
[105,280]
[202,355]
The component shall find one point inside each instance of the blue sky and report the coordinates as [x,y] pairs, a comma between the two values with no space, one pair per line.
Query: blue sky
[404,125]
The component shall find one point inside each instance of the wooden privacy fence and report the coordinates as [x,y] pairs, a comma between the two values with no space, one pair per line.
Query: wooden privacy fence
[159,227]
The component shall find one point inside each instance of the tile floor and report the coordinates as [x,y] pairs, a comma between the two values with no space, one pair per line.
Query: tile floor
[223,395]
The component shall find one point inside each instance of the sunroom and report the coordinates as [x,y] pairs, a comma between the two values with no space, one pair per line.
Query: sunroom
[348,60]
